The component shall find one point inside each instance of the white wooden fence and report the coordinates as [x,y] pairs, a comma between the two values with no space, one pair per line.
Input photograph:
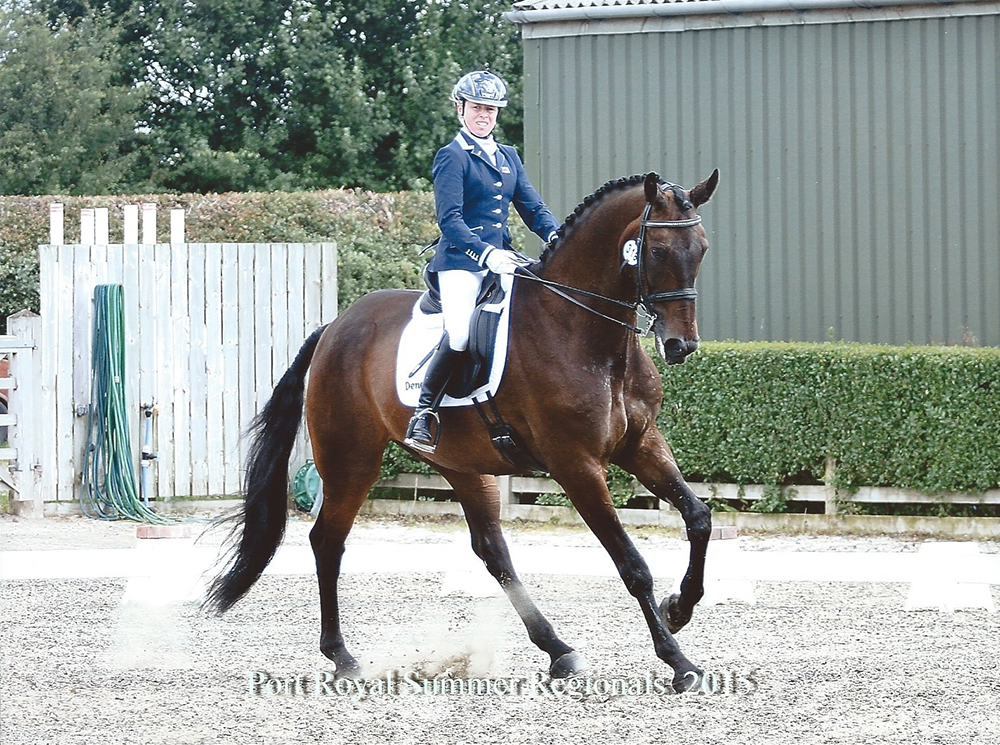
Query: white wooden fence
[209,330]
[20,466]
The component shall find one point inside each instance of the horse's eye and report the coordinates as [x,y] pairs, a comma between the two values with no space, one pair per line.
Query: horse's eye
[659,252]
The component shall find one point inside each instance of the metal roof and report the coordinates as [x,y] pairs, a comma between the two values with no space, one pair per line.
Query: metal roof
[547,11]
[557,4]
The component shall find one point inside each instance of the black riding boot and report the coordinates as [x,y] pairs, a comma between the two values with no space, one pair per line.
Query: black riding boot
[439,370]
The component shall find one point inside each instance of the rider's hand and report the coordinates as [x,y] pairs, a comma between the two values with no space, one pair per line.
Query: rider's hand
[501,261]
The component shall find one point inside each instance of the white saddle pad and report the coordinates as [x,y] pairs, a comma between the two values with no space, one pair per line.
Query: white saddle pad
[422,334]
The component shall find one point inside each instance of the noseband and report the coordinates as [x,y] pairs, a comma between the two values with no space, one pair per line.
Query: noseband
[642,300]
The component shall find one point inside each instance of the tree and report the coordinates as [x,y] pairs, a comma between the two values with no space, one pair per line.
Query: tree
[306,94]
[65,126]
[245,95]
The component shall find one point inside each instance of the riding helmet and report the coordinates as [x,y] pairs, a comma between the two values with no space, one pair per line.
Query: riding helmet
[481,87]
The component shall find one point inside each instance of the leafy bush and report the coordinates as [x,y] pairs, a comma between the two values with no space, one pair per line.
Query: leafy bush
[925,418]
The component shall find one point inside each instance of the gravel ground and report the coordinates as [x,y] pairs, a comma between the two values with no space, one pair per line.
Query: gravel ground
[808,663]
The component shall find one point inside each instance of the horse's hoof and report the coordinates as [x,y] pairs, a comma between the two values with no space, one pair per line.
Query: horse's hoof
[690,680]
[671,614]
[570,664]
[349,671]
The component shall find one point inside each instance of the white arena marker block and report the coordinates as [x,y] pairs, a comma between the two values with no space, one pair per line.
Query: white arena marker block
[723,569]
[466,574]
[940,566]
[151,630]
[172,571]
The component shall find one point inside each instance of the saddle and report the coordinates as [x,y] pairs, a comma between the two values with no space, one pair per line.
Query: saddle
[474,367]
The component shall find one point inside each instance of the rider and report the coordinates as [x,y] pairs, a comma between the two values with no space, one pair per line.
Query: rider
[475,181]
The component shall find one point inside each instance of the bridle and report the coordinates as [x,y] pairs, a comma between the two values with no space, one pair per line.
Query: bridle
[642,300]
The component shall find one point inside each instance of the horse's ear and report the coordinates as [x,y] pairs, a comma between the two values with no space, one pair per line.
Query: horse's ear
[652,186]
[703,191]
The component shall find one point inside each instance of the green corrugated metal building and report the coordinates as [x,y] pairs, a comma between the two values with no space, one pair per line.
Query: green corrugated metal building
[858,145]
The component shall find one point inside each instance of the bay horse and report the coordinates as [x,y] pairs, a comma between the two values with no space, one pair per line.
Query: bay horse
[578,388]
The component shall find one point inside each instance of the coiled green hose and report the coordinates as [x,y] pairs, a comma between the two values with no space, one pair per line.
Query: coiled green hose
[108,490]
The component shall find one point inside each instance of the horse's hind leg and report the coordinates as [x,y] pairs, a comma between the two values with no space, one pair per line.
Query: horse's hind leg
[348,470]
[480,498]
[653,464]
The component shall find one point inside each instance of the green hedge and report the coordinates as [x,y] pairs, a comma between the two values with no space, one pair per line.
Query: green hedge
[925,418]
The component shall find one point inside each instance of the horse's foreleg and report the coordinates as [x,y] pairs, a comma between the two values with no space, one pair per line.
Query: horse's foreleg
[653,464]
[480,498]
[588,491]
[348,473]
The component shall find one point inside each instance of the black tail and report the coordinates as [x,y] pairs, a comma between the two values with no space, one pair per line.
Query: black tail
[265,487]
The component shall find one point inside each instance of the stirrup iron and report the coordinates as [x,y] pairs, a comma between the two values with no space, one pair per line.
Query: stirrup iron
[424,447]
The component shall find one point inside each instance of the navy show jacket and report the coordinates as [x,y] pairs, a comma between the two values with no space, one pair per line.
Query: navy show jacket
[472,198]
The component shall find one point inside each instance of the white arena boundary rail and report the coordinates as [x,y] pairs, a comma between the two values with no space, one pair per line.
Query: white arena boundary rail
[209,330]
[512,486]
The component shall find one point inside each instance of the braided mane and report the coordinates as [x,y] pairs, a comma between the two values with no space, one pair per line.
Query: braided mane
[566,228]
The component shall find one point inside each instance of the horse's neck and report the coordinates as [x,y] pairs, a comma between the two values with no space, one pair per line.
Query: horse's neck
[589,258]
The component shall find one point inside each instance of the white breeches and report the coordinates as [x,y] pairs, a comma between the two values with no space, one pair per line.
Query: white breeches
[459,290]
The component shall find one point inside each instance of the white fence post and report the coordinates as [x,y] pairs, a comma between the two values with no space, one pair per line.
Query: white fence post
[131,228]
[24,405]
[192,328]
[176,226]
[56,232]
[101,226]
[87,237]
[148,224]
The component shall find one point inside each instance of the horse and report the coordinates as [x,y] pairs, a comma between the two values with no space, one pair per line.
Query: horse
[578,389]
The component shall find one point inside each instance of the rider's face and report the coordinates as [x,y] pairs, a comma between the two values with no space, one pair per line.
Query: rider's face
[479,118]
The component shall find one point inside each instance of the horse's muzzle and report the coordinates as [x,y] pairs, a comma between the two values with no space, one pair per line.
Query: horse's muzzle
[674,351]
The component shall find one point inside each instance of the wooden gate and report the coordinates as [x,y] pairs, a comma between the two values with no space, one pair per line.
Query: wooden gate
[20,434]
[209,330]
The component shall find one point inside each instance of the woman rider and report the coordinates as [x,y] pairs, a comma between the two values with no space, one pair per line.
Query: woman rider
[476,179]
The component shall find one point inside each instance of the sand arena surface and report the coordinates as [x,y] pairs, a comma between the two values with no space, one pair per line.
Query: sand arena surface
[107,660]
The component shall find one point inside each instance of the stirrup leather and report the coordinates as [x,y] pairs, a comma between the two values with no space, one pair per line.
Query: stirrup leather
[428,445]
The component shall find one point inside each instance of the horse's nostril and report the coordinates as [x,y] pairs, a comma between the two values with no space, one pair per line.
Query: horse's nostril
[676,350]
[680,346]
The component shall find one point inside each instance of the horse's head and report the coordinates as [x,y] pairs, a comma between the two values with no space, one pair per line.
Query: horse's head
[670,246]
